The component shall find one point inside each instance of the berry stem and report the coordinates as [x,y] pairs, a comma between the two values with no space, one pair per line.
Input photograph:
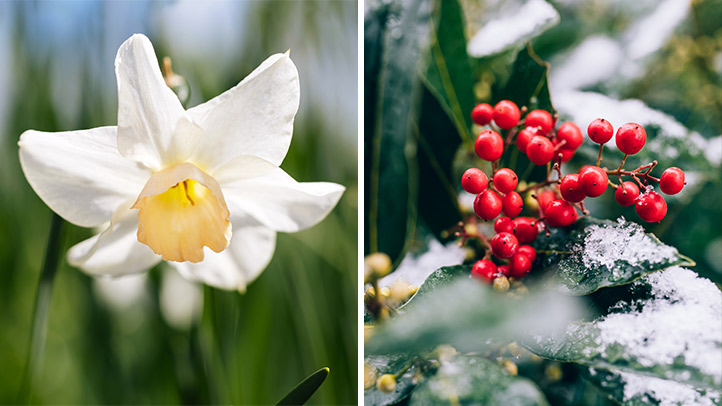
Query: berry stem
[599,157]
[511,134]
[537,186]
[557,168]
[623,161]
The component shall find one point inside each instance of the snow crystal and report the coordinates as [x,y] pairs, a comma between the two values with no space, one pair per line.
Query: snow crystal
[605,245]
[667,393]
[504,31]
[681,321]
[415,269]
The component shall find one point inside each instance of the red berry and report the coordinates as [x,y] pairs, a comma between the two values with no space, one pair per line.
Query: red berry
[487,205]
[540,150]
[594,180]
[523,138]
[504,245]
[567,154]
[560,213]
[504,225]
[600,131]
[524,231]
[671,182]
[628,198]
[482,114]
[519,266]
[506,114]
[502,270]
[489,145]
[539,119]
[544,198]
[484,270]
[651,207]
[527,250]
[511,204]
[631,138]
[505,180]
[570,133]
[474,180]
[571,189]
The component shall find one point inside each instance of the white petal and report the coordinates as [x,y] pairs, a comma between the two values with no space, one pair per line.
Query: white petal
[80,174]
[249,252]
[153,127]
[253,118]
[243,167]
[280,203]
[115,251]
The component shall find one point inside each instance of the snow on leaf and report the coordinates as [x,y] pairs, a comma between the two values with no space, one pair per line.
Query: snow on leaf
[672,332]
[511,27]
[601,253]
[637,390]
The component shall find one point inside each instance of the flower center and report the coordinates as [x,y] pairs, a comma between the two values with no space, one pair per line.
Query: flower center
[181,210]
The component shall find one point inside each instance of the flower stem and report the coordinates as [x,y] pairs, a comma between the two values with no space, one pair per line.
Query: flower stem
[40,312]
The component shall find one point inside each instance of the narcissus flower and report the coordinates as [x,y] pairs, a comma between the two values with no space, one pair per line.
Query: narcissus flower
[200,188]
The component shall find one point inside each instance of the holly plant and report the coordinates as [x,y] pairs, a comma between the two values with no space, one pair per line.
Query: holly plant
[492,276]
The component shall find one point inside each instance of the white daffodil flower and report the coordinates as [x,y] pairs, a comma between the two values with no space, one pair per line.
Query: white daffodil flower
[200,188]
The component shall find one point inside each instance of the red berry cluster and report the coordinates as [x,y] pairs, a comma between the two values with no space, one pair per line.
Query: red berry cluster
[558,200]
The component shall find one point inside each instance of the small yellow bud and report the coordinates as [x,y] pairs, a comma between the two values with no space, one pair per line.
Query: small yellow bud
[445,353]
[471,229]
[399,290]
[413,289]
[376,266]
[386,383]
[553,372]
[370,375]
[511,367]
[516,350]
[501,283]
[469,254]
[385,291]
[530,202]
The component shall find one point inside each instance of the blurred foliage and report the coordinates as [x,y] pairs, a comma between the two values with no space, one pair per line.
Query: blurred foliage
[677,85]
[251,348]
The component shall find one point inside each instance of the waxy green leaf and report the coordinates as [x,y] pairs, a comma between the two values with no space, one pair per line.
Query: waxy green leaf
[593,254]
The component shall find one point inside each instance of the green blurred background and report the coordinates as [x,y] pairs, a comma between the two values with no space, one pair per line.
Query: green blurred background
[126,342]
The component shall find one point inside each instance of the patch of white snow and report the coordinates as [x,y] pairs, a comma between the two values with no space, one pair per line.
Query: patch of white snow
[506,30]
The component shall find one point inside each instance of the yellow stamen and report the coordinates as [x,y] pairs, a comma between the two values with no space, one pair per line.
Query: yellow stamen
[181,210]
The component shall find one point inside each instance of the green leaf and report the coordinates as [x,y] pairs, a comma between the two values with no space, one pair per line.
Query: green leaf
[304,390]
[469,315]
[397,36]
[638,390]
[668,328]
[449,76]
[528,84]
[445,118]
[476,381]
[390,364]
[441,277]
[593,254]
